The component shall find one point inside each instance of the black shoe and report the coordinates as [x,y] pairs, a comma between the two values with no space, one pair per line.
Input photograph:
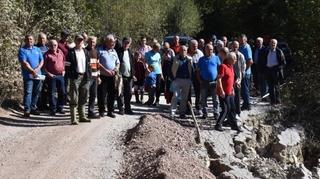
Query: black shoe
[35,112]
[204,116]
[26,114]
[93,116]
[226,123]
[236,128]
[129,112]
[61,111]
[245,108]
[101,114]
[147,103]
[156,104]
[52,113]
[121,112]
[182,116]
[218,128]
[110,114]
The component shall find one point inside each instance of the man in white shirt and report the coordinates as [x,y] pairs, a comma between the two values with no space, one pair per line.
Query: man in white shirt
[195,54]
[275,62]
[79,74]
[127,72]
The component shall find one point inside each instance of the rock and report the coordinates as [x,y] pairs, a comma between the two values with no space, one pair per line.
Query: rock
[300,172]
[288,147]
[226,175]
[239,155]
[266,168]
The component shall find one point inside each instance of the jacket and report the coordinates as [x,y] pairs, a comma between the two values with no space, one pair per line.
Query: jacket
[175,65]
[71,70]
[264,60]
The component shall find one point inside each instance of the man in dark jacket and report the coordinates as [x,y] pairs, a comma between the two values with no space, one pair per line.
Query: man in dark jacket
[274,62]
[258,73]
[127,73]
[79,73]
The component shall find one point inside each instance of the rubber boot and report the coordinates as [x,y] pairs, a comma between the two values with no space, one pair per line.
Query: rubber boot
[73,115]
[82,116]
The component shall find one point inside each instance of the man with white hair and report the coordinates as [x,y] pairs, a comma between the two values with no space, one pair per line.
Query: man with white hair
[182,71]
[275,62]
[225,84]
[54,69]
[109,68]
[257,73]
[195,54]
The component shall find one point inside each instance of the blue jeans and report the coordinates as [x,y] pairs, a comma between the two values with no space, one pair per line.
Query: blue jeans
[245,87]
[32,89]
[56,84]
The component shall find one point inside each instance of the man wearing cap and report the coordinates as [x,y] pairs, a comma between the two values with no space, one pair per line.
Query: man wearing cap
[127,72]
[79,74]
[31,60]
[109,68]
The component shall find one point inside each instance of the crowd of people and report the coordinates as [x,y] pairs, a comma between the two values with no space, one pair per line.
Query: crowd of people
[56,72]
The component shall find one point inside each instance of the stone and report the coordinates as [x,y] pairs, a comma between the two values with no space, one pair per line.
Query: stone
[288,147]
[226,175]
[300,172]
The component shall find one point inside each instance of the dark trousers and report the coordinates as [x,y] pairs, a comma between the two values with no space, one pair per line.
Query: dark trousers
[93,87]
[56,85]
[158,87]
[106,89]
[43,98]
[245,90]
[227,110]
[125,95]
[263,85]
[273,77]
[237,99]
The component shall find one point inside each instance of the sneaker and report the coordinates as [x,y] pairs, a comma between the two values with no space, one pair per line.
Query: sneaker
[156,104]
[110,114]
[35,112]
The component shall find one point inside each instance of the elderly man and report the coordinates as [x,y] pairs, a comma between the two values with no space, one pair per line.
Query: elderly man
[182,72]
[176,44]
[94,81]
[79,74]
[43,97]
[109,68]
[258,70]
[245,49]
[224,39]
[127,72]
[275,62]
[31,60]
[195,54]
[54,68]
[207,73]
[239,69]
[153,58]
[226,93]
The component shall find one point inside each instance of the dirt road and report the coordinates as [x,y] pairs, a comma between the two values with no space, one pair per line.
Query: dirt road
[47,147]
